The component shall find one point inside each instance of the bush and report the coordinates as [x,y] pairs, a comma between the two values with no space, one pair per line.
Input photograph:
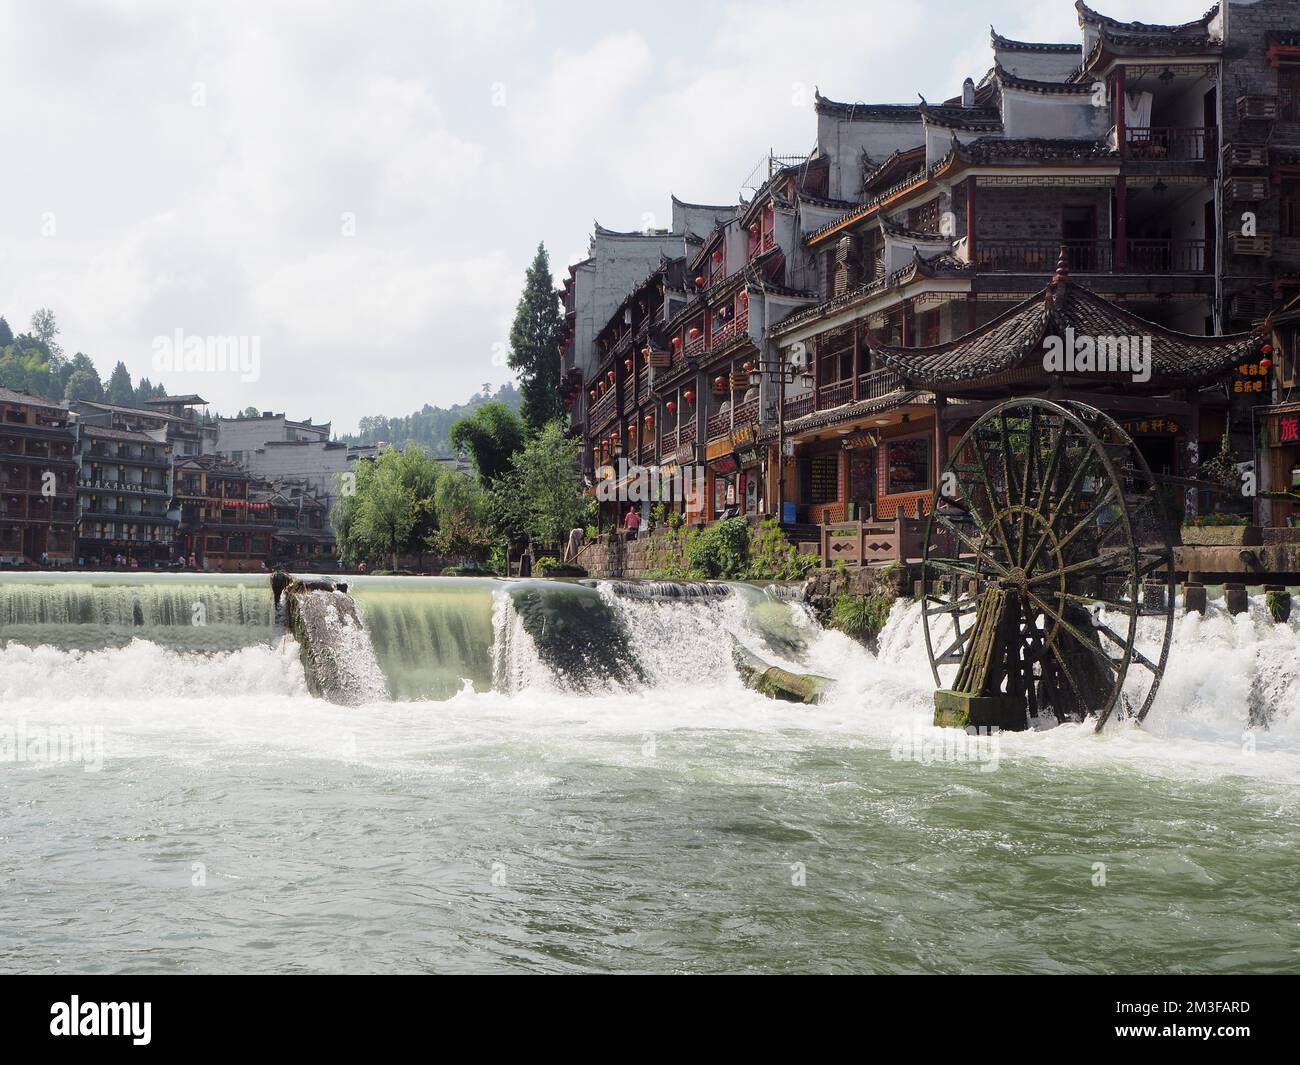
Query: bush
[773,558]
[721,550]
[861,616]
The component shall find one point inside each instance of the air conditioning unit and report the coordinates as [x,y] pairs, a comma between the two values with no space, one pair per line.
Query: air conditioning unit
[1264,107]
[1245,154]
[1247,189]
[1261,245]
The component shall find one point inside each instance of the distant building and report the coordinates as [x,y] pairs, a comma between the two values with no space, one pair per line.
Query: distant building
[224,524]
[186,432]
[303,537]
[38,469]
[275,448]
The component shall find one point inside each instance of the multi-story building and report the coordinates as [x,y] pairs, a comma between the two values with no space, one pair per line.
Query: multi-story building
[224,526]
[38,470]
[303,537]
[124,493]
[275,448]
[1153,163]
[187,430]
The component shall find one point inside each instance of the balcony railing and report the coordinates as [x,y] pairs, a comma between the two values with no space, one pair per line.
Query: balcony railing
[1167,256]
[694,347]
[1175,143]
[1093,256]
[668,443]
[834,395]
[877,383]
[602,410]
[1039,256]
[719,425]
[798,406]
[686,434]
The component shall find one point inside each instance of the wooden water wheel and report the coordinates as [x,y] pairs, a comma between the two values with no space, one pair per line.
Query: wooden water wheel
[1049,571]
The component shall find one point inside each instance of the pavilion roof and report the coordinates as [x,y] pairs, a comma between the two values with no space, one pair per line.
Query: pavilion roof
[1009,350]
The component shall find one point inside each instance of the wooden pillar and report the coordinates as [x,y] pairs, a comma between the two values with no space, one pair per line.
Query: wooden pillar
[970,217]
[1121,223]
[907,324]
[1120,132]
[857,364]
[1193,451]
[940,437]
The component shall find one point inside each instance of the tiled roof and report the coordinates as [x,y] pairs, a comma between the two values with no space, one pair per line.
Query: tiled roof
[968,118]
[116,434]
[1045,88]
[1034,150]
[9,395]
[867,112]
[1087,14]
[1013,343]
[167,400]
[846,411]
[1005,44]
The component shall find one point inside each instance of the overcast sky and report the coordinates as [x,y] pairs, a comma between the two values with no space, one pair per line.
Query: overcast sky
[362,185]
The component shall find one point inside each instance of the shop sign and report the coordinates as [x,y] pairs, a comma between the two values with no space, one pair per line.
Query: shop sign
[1284,429]
[1150,427]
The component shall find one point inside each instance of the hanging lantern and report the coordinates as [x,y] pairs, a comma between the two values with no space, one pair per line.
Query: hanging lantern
[641,304]
[695,332]
[689,396]
[612,377]
[645,353]
[677,342]
[744,298]
[628,363]
[699,281]
[719,384]
[1265,365]
[592,393]
[601,386]
[753,228]
[671,405]
[649,419]
[717,256]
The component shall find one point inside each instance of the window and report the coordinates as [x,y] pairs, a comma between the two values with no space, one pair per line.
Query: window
[924,219]
[237,456]
[1288,93]
[1290,207]
[907,467]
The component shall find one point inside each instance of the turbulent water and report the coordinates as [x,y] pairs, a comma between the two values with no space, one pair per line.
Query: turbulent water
[573,778]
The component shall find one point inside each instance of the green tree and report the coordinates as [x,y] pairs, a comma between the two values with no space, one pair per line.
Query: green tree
[46,328]
[535,339]
[120,390]
[491,435]
[83,384]
[464,528]
[543,494]
[391,512]
[250,412]
[6,334]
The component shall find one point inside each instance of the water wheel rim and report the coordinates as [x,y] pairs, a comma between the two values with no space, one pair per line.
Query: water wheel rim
[1122,563]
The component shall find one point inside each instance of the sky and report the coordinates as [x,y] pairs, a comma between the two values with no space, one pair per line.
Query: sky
[356,189]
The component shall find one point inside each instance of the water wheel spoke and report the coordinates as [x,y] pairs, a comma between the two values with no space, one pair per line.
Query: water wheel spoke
[949,654]
[978,549]
[1030,465]
[958,608]
[1103,562]
[1066,498]
[1079,637]
[1137,655]
[995,514]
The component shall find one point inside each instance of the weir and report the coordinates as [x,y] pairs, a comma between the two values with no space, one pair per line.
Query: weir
[418,639]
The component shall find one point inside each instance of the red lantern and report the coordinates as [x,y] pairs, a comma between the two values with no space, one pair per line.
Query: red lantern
[671,405]
[719,384]
[592,393]
[649,420]
[695,332]
[689,396]
[628,363]
[677,342]
[601,386]
[1265,365]
[748,367]
[744,298]
[612,377]
[753,228]
[641,304]
[1267,349]
[717,256]
[645,352]
[699,281]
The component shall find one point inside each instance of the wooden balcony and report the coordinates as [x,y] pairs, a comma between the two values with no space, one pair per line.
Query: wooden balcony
[798,406]
[694,347]
[1094,256]
[602,410]
[668,443]
[834,395]
[876,384]
[719,425]
[1174,143]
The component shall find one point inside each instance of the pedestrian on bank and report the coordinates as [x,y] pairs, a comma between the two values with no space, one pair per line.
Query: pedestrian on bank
[632,522]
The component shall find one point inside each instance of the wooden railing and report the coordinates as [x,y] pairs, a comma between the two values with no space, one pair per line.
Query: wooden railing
[1039,256]
[877,383]
[693,347]
[1178,143]
[668,443]
[602,410]
[798,406]
[1167,256]
[719,425]
[686,434]
[834,395]
[861,543]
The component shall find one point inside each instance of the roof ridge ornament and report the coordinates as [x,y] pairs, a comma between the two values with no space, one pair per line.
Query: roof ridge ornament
[1062,266]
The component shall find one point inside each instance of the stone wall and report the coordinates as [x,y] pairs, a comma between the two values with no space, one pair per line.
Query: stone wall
[611,555]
